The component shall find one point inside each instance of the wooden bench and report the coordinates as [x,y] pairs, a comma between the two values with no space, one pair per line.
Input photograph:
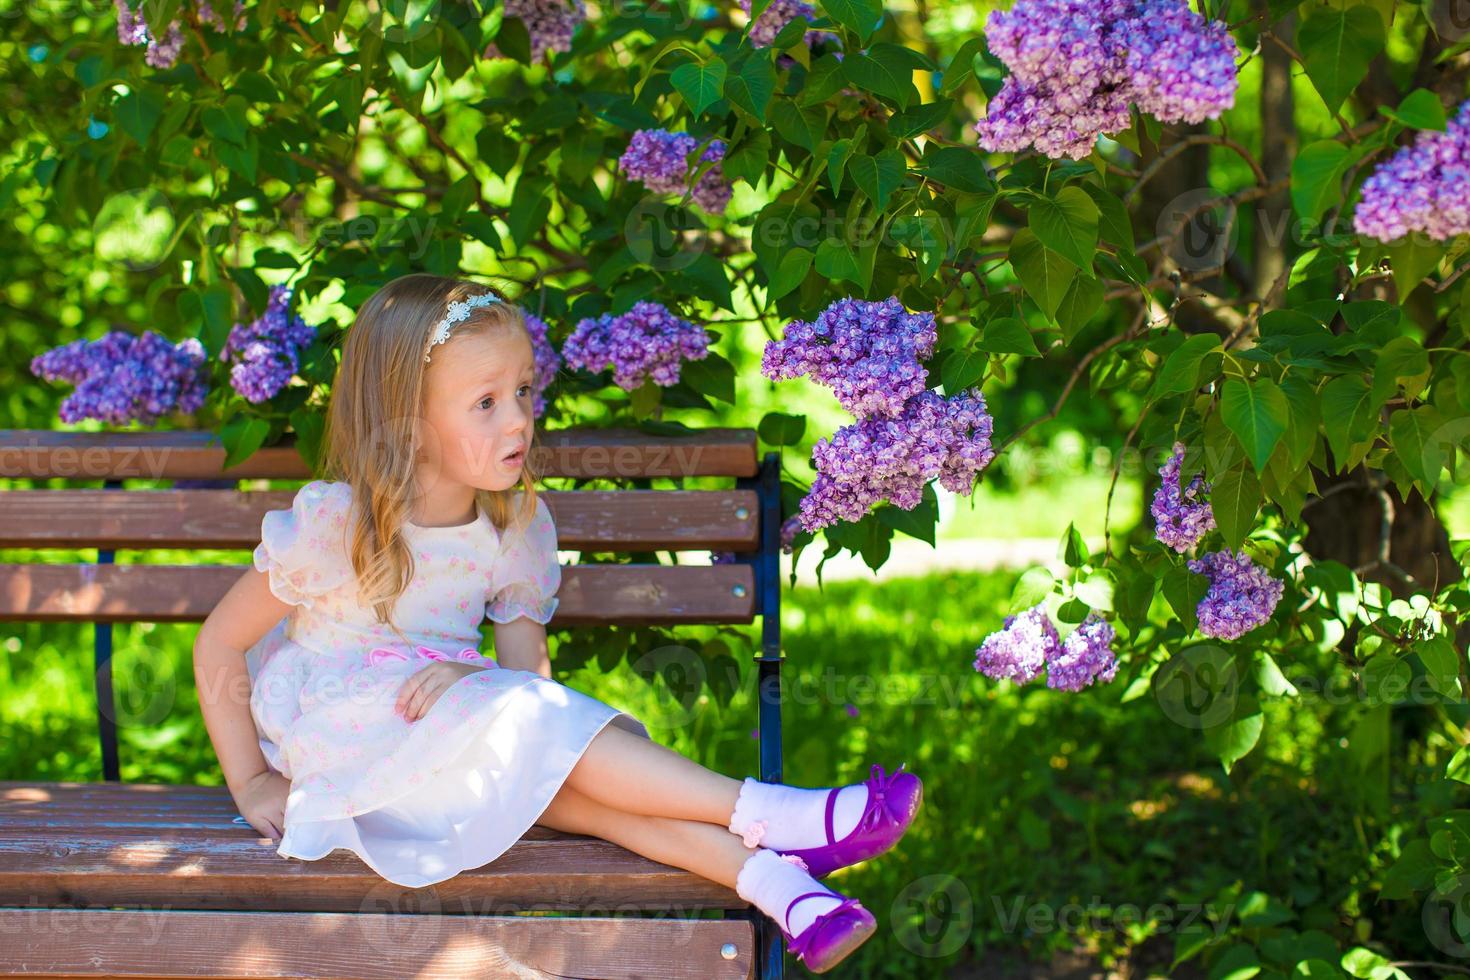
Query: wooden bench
[114,879]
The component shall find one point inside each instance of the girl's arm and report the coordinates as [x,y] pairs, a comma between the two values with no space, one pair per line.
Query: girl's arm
[245,614]
[521,645]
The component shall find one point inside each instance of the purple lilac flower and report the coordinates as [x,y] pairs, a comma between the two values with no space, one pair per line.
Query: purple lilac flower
[133,28]
[789,530]
[647,342]
[1086,655]
[1076,65]
[659,159]
[208,15]
[868,353]
[1242,594]
[1424,187]
[548,361]
[551,24]
[1181,515]
[775,17]
[121,378]
[266,351]
[877,459]
[1025,643]
[722,558]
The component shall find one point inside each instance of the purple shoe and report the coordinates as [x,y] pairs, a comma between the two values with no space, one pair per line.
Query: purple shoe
[831,936]
[893,801]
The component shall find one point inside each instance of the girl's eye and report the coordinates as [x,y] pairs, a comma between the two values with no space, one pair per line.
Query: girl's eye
[482,403]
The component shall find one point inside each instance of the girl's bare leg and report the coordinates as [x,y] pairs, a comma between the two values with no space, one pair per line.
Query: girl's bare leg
[630,773]
[706,850]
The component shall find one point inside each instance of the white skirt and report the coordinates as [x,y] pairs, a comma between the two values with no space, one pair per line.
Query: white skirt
[419,801]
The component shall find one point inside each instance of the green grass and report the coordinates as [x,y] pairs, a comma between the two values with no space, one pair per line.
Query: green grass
[1037,802]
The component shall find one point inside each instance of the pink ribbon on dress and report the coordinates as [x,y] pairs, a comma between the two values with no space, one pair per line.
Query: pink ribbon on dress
[468,655]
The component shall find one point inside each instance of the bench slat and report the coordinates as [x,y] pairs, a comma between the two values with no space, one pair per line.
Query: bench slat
[586,520]
[58,848]
[591,594]
[193,455]
[162,943]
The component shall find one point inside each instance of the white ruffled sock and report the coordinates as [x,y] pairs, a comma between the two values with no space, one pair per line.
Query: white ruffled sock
[770,883]
[791,817]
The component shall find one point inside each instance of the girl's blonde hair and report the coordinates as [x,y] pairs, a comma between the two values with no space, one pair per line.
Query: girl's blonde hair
[374,419]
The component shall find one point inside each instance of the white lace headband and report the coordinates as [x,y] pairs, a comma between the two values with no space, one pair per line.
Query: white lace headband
[457,311]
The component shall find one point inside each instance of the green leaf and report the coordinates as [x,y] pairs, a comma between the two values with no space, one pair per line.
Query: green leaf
[1441,665]
[1113,221]
[878,176]
[227,120]
[1067,224]
[1044,273]
[1256,412]
[955,167]
[1084,298]
[530,204]
[961,66]
[702,85]
[1459,765]
[961,369]
[1412,872]
[780,429]
[1412,434]
[1180,372]
[837,259]
[1073,549]
[1421,109]
[1235,498]
[1336,47]
[752,85]
[1401,361]
[748,160]
[1316,178]
[882,74]
[803,125]
[309,425]
[1347,414]
[138,112]
[1034,586]
[242,436]
[919,119]
[1412,260]
[1007,335]
[859,16]
[793,269]
[1239,962]
[710,375]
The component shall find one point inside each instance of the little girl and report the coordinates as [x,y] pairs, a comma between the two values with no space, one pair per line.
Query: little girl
[373,723]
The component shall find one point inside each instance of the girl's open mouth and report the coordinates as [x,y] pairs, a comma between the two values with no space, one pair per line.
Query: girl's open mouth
[516,458]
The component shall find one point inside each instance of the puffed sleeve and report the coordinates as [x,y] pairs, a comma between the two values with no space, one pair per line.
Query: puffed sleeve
[526,574]
[304,549]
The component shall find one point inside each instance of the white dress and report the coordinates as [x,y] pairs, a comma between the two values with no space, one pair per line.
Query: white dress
[419,801]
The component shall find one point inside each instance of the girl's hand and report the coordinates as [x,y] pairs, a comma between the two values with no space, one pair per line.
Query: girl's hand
[420,691]
[262,802]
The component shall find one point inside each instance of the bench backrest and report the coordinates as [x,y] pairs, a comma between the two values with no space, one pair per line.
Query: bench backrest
[744,519]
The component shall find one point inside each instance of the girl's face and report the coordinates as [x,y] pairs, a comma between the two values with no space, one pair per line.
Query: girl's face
[477,408]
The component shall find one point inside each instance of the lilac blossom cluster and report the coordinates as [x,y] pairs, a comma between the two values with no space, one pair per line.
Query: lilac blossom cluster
[1424,187]
[660,159]
[266,352]
[1242,594]
[164,46]
[1027,643]
[879,458]
[1077,65]
[1181,514]
[868,353]
[551,24]
[777,16]
[548,361]
[121,378]
[647,342]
